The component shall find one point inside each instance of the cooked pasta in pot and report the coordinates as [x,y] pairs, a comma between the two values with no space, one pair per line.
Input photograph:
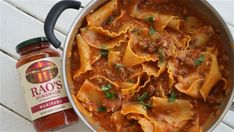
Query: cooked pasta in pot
[148,65]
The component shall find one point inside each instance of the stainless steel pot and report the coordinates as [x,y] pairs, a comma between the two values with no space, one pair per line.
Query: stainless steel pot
[202,6]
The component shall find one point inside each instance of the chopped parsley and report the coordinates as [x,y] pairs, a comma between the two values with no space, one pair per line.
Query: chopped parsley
[101,109]
[149,19]
[109,20]
[118,66]
[161,55]
[172,97]
[106,87]
[145,105]
[104,52]
[109,95]
[141,99]
[143,96]
[199,60]
[151,30]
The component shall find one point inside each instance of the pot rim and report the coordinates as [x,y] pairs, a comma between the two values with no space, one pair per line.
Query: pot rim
[82,15]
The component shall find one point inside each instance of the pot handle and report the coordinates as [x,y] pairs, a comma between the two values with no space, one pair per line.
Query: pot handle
[53,16]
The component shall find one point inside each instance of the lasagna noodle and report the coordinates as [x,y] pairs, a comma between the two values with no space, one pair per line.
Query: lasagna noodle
[180,42]
[130,88]
[191,23]
[122,30]
[104,78]
[133,108]
[98,39]
[180,111]
[160,126]
[122,25]
[146,125]
[90,94]
[200,39]
[196,127]
[130,58]
[99,16]
[212,77]
[87,114]
[201,36]
[121,123]
[113,58]
[190,85]
[163,20]
[84,53]
[142,86]
[153,70]
[142,15]
[171,78]
[175,23]
[193,90]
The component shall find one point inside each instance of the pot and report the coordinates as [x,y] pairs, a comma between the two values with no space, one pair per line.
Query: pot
[202,6]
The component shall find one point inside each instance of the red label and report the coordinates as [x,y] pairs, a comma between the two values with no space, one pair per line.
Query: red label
[49,104]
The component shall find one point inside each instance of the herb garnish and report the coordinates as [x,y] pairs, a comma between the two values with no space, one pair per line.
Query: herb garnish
[118,66]
[141,99]
[161,55]
[104,52]
[109,95]
[149,19]
[145,105]
[199,60]
[101,109]
[172,97]
[109,20]
[151,30]
[105,89]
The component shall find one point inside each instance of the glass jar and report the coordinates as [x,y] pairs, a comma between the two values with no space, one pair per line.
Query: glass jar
[39,68]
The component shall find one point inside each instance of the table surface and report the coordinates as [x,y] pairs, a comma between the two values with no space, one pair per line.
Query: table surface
[23,19]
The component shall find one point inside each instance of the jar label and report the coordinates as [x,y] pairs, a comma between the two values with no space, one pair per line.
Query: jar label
[43,87]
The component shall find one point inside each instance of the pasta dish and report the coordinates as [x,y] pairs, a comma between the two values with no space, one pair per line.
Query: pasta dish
[148,65]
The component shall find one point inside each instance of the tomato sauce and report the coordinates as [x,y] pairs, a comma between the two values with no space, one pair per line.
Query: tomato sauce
[38,51]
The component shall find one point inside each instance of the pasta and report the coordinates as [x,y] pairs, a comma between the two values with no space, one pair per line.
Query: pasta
[150,66]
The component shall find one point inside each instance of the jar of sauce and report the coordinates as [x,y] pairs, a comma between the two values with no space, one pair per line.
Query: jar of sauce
[39,68]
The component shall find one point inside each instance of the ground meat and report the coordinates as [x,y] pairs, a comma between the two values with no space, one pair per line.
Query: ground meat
[150,46]
[186,62]
[212,99]
[150,89]
[112,105]
[109,74]
[204,68]
[157,92]
[223,58]
[123,74]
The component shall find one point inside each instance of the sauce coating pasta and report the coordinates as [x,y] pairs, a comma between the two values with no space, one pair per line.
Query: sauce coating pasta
[148,65]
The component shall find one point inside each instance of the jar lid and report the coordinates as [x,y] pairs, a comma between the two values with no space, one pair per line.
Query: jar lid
[30,42]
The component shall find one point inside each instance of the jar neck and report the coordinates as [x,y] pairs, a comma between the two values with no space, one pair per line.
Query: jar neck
[34,47]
